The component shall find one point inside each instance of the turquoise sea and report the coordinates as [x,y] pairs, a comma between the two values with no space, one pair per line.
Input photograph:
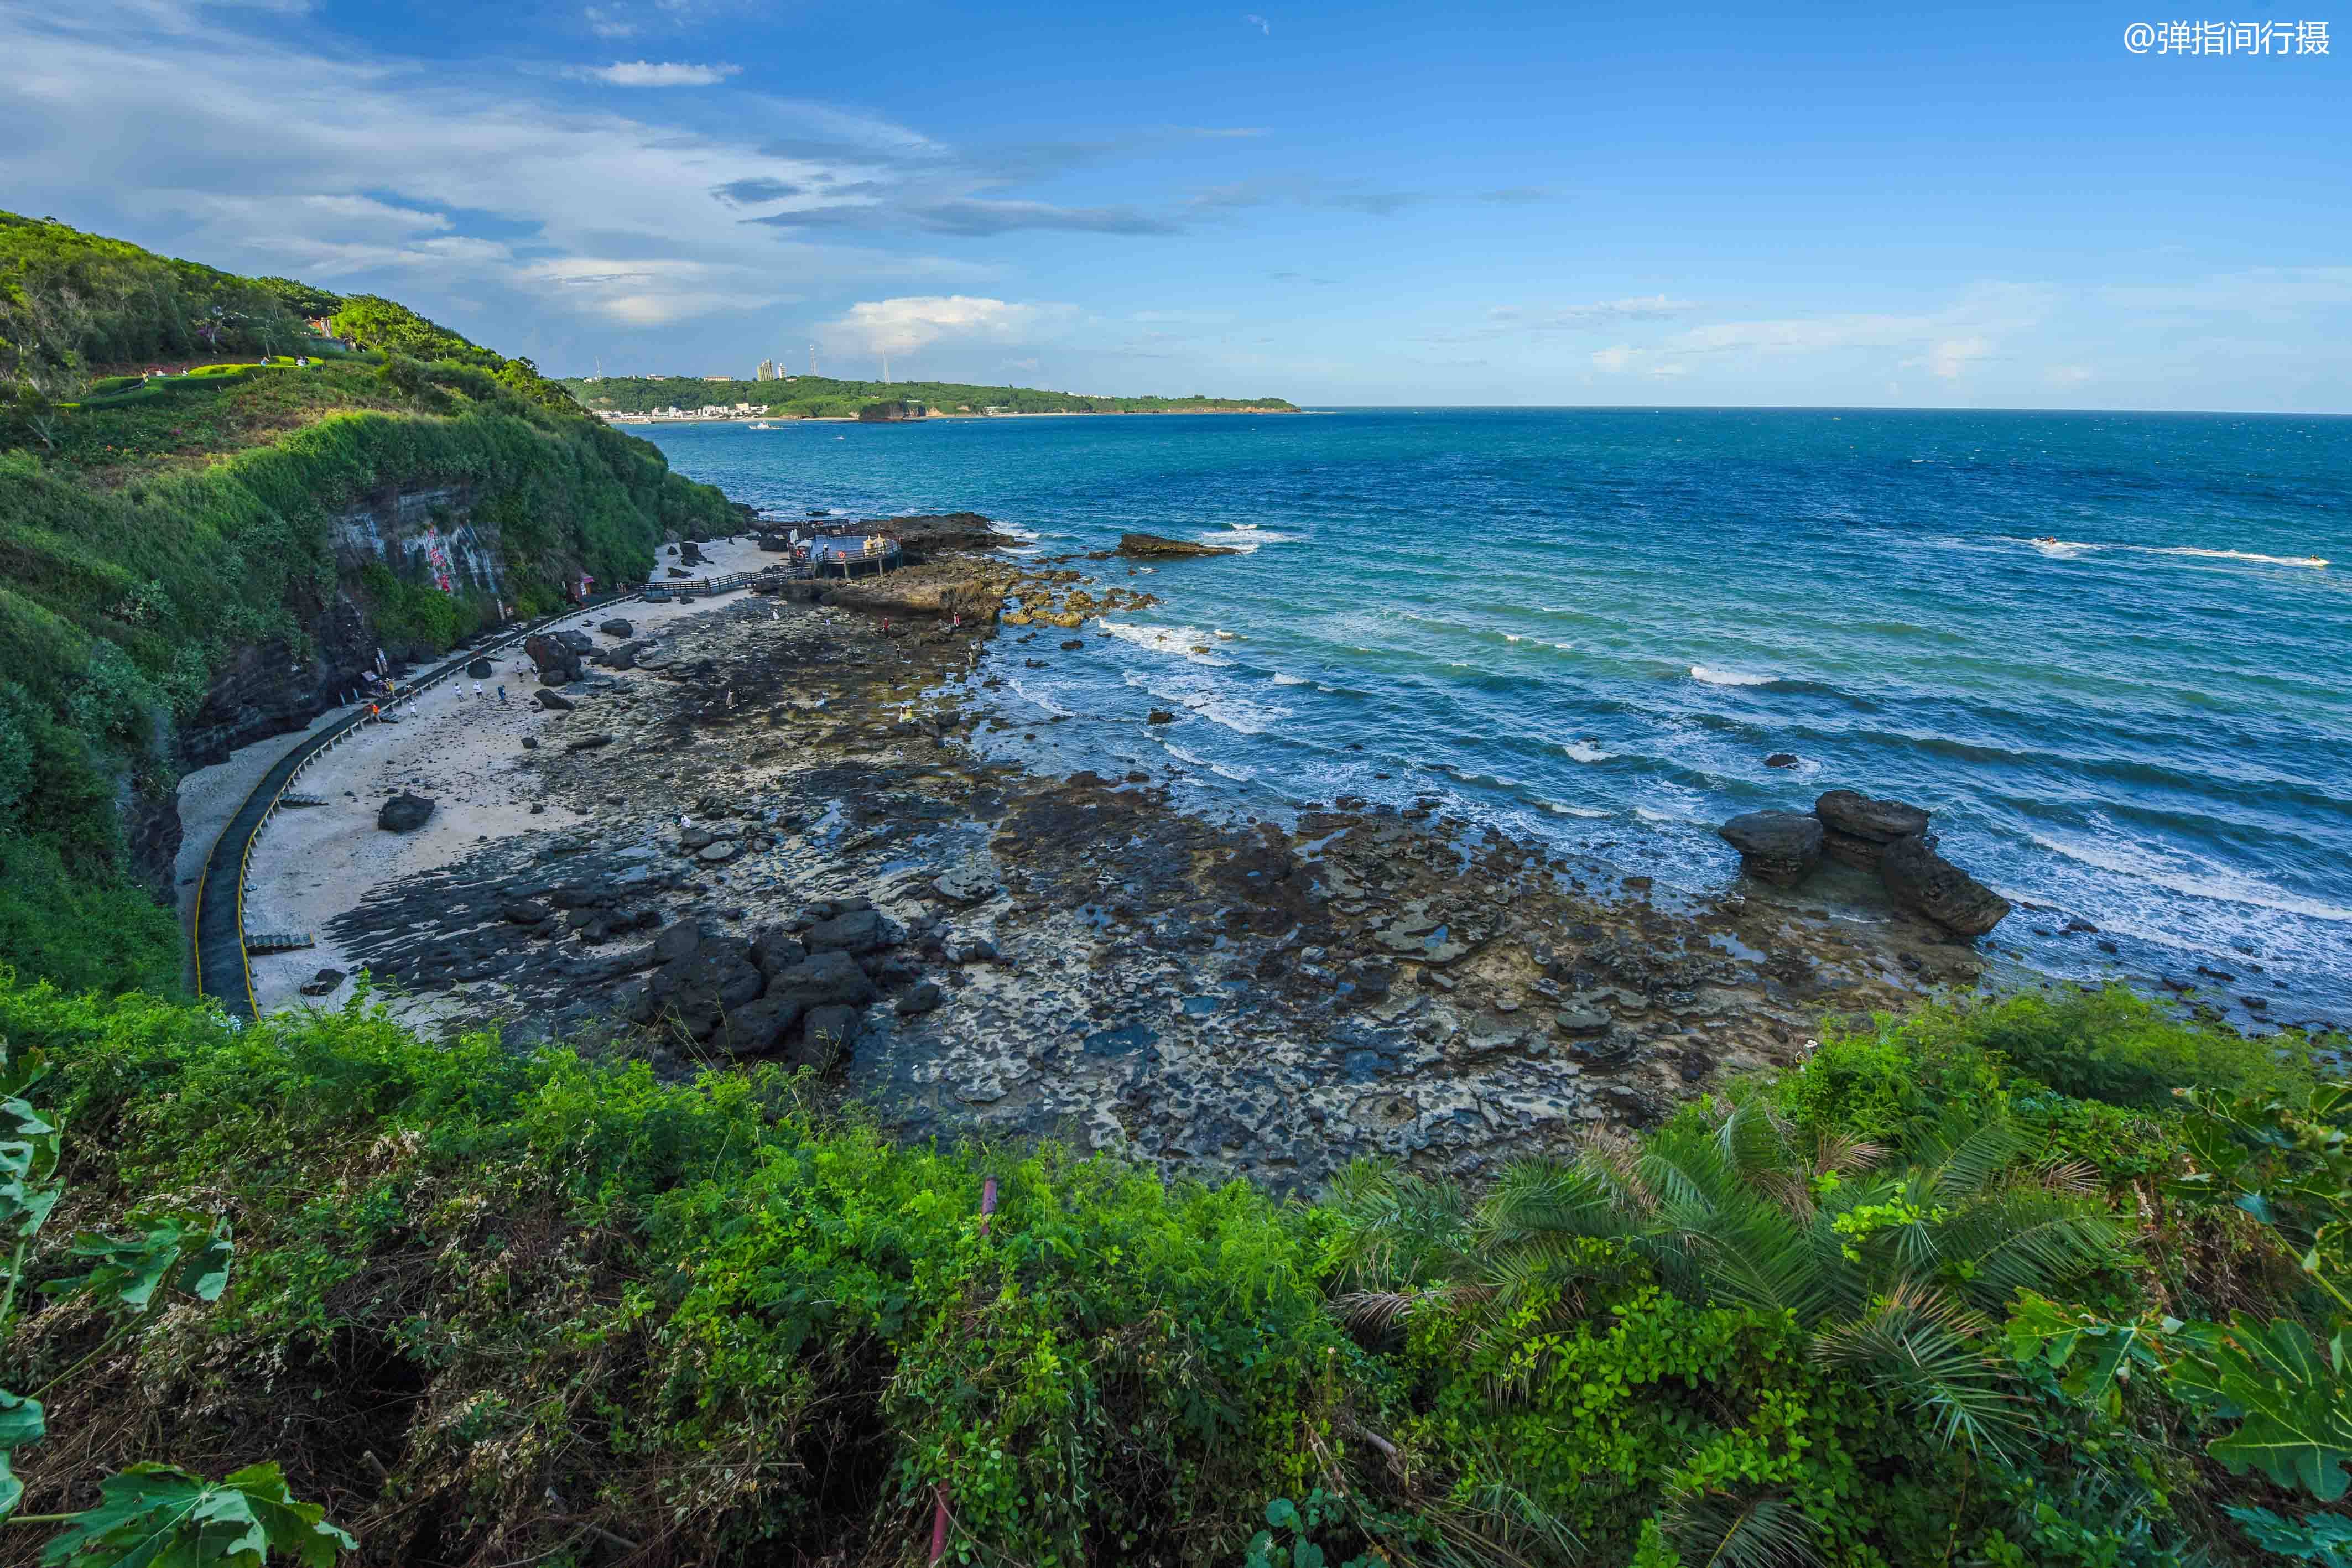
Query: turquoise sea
[1594,626]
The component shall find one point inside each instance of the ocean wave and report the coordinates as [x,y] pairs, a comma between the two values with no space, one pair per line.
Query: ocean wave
[1182,642]
[2140,864]
[1282,679]
[2310,560]
[1558,810]
[1047,703]
[2072,549]
[1715,677]
[1581,752]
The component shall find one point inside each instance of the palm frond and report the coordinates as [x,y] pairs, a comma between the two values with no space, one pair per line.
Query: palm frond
[1920,1347]
[1710,1529]
[1961,1160]
[2026,1239]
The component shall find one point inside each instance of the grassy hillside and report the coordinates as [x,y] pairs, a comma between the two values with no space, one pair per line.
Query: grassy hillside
[818,396]
[490,1308]
[150,528]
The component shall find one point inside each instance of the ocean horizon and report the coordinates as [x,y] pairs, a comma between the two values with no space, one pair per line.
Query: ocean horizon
[2106,650]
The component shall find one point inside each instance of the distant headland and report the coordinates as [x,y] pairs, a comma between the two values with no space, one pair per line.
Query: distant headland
[663,399]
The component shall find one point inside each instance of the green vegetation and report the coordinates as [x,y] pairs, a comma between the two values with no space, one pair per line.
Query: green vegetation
[814,397]
[150,529]
[545,1307]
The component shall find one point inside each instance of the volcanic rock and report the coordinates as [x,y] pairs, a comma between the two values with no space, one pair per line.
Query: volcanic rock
[558,661]
[616,628]
[1160,716]
[856,931]
[1863,817]
[822,979]
[404,814]
[923,997]
[826,1034]
[1783,760]
[1153,547]
[1863,854]
[322,983]
[554,702]
[479,669]
[1780,847]
[1921,880]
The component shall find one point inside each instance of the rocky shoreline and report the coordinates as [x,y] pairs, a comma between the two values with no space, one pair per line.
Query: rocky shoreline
[765,837]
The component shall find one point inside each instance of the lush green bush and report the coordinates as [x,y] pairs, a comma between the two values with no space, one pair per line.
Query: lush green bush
[490,1307]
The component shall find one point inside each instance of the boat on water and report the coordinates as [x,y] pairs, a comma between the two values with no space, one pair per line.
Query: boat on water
[761,424]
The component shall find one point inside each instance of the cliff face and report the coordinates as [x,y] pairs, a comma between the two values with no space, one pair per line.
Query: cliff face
[423,534]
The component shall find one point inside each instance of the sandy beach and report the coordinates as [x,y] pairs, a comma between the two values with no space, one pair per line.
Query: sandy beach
[451,747]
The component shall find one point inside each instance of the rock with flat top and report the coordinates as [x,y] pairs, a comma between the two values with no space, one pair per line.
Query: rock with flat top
[1154,547]
[1780,847]
[1861,816]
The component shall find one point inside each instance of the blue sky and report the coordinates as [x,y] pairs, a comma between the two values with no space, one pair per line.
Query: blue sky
[1979,206]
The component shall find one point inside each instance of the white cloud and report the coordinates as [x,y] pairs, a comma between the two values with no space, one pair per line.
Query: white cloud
[1949,357]
[1638,308]
[896,326]
[1260,23]
[654,293]
[1616,360]
[605,24]
[651,73]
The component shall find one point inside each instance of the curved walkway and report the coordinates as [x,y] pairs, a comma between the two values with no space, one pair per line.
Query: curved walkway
[223,969]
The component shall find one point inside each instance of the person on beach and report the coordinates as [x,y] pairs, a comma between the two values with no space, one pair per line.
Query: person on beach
[478,688]
[502,692]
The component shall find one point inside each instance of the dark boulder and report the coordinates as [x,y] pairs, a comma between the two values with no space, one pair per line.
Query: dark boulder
[1863,817]
[677,941]
[758,1028]
[775,949]
[616,628]
[323,983]
[1153,547]
[675,572]
[826,1035]
[823,979]
[404,814]
[479,669]
[923,997]
[1780,847]
[554,702]
[853,930]
[690,553]
[1783,760]
[1073,644]
[558,661]
[526,912]
[1925,883]
[589,743]
[692,839]
[1160,716]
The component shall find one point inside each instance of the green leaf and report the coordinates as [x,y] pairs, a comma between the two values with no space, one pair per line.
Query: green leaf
[1281,1513]
[127,1270]
[22,1423]
[2296,1406]
[12,1491]
[2322,1538]
[157,1516]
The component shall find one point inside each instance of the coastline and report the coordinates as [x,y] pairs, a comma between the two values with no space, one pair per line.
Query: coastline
[1209,997]
[853,419]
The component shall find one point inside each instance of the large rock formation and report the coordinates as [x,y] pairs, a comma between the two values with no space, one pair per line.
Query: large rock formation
[558,660]
[1925,883]
[1153,547]
[1849,815]
[1780,847]
[923,536]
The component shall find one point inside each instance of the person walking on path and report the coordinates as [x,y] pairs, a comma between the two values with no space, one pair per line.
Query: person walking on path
[502,692]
